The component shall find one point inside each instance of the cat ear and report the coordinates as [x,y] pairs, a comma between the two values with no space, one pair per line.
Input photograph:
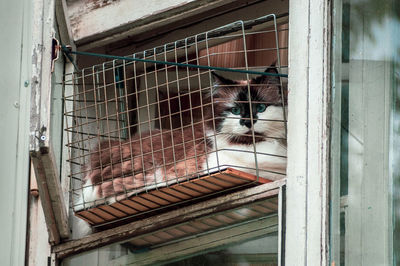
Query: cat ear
[220,80]
[268,79]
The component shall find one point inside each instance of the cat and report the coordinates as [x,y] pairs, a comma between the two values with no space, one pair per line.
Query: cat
[224,138]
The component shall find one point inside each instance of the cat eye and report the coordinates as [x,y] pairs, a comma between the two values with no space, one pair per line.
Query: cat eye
[235,110]
[261,107]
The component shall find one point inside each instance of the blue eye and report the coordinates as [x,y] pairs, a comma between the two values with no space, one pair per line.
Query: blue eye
[235,110]
[261,107]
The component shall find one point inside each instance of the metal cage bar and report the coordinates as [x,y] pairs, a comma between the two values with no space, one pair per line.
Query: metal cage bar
[150,127]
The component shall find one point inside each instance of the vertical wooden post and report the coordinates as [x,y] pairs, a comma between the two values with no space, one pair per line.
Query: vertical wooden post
[308,133]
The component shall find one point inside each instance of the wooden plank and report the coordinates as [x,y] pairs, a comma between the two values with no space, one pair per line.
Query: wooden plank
[176,193]
[92,217]
[135,205]
[192,185]
[173,18]
[159,200]
[50,194]
[114,211]
[246,176]
[40,145]
[146,201]
[200,225]
[219,182]
[54,236]
[161,194]
[55,191]
[125,208]
[63,22]
[176,232]
[233,179]
[210,185]
[308,133]
[164,220]
[187,190]
[84,218]
[105,215]
[188,229]
[236,216]
[260,208]
[164,236]
[212,222]
[224,218]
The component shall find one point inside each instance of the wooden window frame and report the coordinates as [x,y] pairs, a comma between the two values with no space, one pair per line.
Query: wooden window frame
[307,214]
[307,210]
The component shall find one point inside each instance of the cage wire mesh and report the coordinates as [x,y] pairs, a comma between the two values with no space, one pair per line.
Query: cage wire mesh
[135,127]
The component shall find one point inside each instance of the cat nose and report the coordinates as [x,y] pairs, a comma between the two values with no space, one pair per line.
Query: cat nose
[247,123]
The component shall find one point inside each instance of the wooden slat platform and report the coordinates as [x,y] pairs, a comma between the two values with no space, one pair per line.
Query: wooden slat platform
[160,197]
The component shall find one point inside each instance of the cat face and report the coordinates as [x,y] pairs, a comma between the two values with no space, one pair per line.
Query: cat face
[242,108]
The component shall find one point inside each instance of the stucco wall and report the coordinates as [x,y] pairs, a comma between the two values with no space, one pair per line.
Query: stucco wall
[15,50]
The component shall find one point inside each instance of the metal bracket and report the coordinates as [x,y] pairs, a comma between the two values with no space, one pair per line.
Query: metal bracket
[55,53]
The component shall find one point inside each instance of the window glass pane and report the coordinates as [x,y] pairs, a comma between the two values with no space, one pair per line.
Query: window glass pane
[258,250]
[365,172]
[263,251]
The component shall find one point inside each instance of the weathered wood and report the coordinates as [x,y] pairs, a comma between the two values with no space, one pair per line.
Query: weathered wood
[41,75]
[63,22]
[54,235]
[308,134]
[50,194]
[46,171]
[149,31]
[203,243]
[183,214]
[38,246]
[84,14]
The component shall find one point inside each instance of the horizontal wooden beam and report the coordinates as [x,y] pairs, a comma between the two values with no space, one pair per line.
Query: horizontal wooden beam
[89,27]
[133,229]
[187,19]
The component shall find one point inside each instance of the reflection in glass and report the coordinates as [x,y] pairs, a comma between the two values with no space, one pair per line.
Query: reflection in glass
[259,252]
[365,169]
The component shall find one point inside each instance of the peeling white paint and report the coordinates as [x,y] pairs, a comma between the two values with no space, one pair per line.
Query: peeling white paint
[90,17]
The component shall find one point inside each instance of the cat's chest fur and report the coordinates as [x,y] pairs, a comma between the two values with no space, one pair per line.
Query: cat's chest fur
[268,154]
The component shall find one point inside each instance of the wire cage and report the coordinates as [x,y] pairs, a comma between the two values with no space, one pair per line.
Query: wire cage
[184,120]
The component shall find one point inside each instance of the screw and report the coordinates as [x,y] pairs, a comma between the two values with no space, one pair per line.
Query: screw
[43,138]
[26,83]
[16,104]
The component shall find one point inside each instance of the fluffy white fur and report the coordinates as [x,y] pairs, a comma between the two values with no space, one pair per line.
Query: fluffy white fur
[243,157]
